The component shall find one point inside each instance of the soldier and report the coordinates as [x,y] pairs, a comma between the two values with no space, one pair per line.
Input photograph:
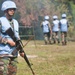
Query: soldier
[8,62]
[64,29]
[55,29]
[46,30]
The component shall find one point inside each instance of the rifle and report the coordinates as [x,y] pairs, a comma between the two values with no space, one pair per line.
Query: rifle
[19,47]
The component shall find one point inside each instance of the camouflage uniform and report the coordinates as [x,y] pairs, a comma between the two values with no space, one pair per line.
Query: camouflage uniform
[46,27]
[64,29]
[7,60]
[8,66]
[55,29]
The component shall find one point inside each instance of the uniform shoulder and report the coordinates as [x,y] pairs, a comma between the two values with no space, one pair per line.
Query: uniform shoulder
[47,22]
[15,20]
[1,18]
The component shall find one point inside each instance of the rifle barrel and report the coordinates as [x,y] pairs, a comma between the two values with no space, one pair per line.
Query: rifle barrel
[26,59]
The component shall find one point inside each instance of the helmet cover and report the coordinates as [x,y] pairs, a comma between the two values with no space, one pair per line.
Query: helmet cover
[7,5]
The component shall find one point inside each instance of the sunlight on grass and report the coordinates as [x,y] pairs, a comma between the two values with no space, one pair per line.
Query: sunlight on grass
[51,59]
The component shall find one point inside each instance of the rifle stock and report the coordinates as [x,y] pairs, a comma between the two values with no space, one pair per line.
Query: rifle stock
[19,47]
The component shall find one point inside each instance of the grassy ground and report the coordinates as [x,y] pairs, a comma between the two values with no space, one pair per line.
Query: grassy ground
[48,59]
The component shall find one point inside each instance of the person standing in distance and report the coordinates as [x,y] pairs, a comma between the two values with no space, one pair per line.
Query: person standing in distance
[64,29]
[55,29]
[8,62]
[46,27]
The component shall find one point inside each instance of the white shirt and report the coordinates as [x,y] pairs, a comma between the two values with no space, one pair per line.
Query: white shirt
[5,25]
[63,25]
[45,26]
[55,25]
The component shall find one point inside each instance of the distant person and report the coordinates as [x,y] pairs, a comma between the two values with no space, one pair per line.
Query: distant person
[46,27]
[64,29]
[55,29]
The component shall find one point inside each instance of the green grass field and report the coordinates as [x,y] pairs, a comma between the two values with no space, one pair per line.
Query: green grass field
[48,59]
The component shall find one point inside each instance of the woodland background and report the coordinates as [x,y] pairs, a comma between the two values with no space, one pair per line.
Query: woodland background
[31,12]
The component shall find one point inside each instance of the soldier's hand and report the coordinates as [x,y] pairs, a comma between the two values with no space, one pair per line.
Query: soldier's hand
[11,43]
[22,54]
